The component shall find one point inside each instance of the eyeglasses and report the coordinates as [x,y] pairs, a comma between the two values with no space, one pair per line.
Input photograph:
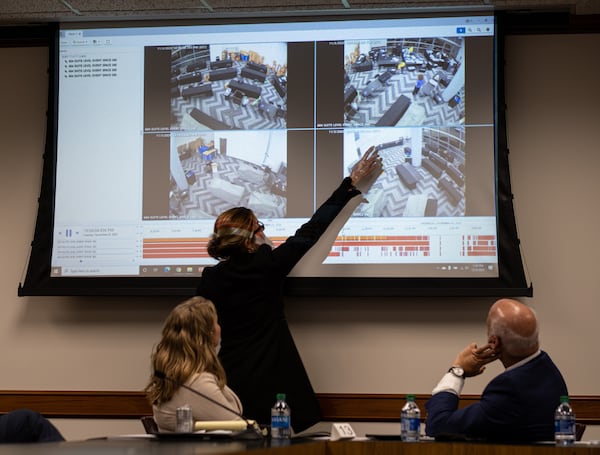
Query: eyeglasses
[260,228]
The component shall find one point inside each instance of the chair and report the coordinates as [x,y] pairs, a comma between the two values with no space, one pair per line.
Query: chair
[579,430]
[239,98]
[149,424]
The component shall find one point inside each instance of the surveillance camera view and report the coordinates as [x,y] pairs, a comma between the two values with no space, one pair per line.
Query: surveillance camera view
[211,172]
[229,86]
[404,82]
[423,174]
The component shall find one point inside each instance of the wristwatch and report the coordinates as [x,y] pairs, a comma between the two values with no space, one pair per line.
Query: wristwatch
[457,371]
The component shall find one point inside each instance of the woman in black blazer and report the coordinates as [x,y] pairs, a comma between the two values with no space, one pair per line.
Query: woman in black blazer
[246,286]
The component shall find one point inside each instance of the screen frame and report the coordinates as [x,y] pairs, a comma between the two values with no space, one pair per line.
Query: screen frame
[510,282]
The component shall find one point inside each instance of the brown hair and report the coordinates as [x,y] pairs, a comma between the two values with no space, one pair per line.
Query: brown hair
[233,233]
[185,348]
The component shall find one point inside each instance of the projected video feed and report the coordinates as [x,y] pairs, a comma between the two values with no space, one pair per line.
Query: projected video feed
[211,172]
[229,86]
[192,121]
[423,171]
[404,82]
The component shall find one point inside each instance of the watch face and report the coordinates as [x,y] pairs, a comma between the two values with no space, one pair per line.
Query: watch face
[457,371]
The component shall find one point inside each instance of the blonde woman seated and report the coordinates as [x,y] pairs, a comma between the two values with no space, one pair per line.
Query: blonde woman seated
[186,356]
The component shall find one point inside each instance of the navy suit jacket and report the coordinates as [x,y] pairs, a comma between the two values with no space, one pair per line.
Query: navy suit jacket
[25,425]
[517,405]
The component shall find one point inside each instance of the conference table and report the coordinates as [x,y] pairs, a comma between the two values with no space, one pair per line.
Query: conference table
[134,446]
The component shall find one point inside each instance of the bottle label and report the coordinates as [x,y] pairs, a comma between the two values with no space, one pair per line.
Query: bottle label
[564,426]
[413,424]
[280,421]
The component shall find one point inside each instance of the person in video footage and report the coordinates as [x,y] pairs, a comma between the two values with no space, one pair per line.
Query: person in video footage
[25,425]
[517,405]
[258,351]
[187,354]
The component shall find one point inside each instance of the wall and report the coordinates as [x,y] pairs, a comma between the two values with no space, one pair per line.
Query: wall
[349,345]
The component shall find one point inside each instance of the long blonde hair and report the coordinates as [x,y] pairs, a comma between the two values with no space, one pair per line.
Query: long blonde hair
[186,348]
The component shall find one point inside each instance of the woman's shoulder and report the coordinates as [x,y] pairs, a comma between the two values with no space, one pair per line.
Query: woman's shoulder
[201,378]
[251,261]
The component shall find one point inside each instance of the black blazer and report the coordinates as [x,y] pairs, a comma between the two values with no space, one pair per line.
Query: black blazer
[257,349]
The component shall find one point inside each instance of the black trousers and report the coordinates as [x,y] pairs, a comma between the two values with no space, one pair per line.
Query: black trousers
[25,425]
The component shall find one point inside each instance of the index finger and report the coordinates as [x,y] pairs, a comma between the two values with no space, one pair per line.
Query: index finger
[482,349]
[370,153]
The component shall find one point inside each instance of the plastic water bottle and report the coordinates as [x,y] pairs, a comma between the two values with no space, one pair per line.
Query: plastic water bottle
[281,423]
[564,423]
[410,421]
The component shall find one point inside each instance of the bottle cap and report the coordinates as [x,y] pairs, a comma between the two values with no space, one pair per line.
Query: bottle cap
[281,396]
[564,399]
[410,396]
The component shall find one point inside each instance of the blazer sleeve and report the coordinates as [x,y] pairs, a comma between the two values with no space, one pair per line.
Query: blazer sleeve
[497,411]
[292,250]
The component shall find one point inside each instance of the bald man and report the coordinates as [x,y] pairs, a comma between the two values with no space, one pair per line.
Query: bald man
[517,405]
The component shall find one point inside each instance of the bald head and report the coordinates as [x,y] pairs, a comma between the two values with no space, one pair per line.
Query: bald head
[515,326]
